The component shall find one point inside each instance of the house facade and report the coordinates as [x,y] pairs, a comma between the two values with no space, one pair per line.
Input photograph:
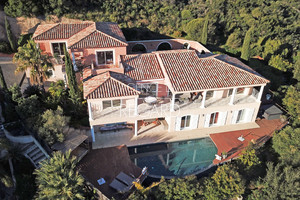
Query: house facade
[174,82]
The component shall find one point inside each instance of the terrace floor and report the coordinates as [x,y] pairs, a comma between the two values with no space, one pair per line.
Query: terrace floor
[157,134]
[228,141]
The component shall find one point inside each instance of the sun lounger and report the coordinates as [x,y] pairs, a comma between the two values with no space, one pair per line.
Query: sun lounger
[125,178]
[119,186]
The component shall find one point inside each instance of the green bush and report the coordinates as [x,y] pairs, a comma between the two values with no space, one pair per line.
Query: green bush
[23,39]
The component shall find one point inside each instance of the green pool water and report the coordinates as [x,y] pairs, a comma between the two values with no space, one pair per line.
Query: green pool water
[176,158]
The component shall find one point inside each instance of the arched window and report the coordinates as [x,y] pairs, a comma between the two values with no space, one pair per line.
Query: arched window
[186,45]
[164,46]
[139,48]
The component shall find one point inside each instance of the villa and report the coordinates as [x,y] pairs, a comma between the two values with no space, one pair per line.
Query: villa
[151,91]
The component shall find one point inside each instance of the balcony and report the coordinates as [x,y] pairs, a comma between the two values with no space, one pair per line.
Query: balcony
[161,108]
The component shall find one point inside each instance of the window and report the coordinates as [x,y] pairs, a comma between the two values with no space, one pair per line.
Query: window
[240,116]
[185,122]
[105,57]
[58,48]
[111,103]
[214,118]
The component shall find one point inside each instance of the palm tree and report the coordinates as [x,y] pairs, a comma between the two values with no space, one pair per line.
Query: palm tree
[58,179]
[30,56]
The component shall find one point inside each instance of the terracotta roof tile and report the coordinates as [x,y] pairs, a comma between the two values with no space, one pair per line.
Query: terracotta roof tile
[58,31]
[105,86]
[142,66]
[188,72]
[111,29]
[97,40]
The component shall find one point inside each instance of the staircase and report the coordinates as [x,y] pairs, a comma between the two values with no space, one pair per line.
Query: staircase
[30,147]
[34,153]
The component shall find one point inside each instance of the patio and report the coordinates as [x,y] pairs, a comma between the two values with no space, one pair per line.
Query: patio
[228,141]
[107,163]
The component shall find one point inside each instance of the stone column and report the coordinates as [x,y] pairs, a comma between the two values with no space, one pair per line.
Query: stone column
[172,103]
[135,128]
[90,111]
[203,99]
[93,133]
[261,91]
[232,96]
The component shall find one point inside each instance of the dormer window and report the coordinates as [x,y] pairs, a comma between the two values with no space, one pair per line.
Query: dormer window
[105,57]
[58,48]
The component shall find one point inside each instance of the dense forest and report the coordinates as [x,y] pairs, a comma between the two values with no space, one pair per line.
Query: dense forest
[263,34]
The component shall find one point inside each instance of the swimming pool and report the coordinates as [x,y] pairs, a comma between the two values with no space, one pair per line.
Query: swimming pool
[176,158]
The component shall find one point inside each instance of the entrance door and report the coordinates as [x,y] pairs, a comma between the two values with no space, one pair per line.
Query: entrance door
[185,122]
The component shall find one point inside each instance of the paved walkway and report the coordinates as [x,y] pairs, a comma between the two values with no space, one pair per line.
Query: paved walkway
[228,141]
[159,134]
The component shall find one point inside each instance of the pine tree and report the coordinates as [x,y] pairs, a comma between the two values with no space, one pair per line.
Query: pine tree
[204,31]
[10,35]
[2,80]
[246,45]
[71,76]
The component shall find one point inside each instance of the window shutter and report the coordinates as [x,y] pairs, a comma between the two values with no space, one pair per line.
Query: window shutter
[207,118]
[234,116]
[249,114]
[194,121]
[42,46]
[178,122]
[222,118]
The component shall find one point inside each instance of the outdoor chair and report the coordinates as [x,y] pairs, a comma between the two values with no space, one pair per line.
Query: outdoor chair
[125,178]
[119,186]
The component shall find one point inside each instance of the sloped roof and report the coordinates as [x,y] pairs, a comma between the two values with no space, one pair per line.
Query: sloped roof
[58,31]
[188,72]
[142,66]
[106,86]
[83,35]
[97,40]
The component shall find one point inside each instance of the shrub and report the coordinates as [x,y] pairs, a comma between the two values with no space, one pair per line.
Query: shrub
[51,125]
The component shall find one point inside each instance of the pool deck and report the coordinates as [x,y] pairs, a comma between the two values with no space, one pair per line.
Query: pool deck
[228,141]
[158,134]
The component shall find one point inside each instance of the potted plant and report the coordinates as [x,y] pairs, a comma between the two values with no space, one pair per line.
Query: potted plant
[224,154]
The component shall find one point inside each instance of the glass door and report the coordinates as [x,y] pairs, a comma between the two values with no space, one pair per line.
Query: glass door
[185,122]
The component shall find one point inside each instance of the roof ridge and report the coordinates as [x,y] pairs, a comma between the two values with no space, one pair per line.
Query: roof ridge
[78,33]
[239,69]
[82,38]
[164,71]
[122,83]
[110,35]
[100,84]
[56,24]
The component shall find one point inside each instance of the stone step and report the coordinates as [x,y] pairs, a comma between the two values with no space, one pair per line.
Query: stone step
[34,152]
[25,147]
[37,155]
[39,159]
[32,148]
